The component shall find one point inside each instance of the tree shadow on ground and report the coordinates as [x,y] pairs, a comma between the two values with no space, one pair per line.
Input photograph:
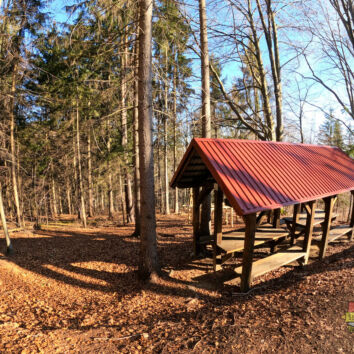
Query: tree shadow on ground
[65,255]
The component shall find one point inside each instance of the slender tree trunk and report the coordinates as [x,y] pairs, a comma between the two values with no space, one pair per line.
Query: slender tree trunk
[110,184]
[136,150]
[4,224]
[54,197]
[13,150]
[110,195]
[122,201]
[160,201]
[79,170]
[271,36]
[127,177]
[68,196]
[278,85]
[60,201]
[102,200]
[165,117]
[176,201]
[89,172]
[75,187]
[205,223]
[149,265]
[262,77]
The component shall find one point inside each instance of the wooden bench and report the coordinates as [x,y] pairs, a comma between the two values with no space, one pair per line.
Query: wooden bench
[274,261]
[301,223]
[234,241]
[333,234]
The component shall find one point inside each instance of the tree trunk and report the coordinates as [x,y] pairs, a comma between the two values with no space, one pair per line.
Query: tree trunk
[89,172]
[75,187]
[122,203]
[68,196]
[149,265]
[54,197]
[160,199]
[176,201]
[262,77]
[110,184]
[277,84]
[165,116]
[12,148]
[79,170]
[271,36]
[127,178]
[60,202]
[4,224]
[205,223]
[136,150]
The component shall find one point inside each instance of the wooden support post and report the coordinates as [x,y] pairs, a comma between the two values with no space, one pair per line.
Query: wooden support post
[297,208]
[352,216]
[308,230]
[218,209]
[329,202]
[204,192]
[260,217]
[351,235]
[269,216]
[196,220]
[276,218]
[246,276]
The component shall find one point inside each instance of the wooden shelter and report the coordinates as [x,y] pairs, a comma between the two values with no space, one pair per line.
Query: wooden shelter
[257,177]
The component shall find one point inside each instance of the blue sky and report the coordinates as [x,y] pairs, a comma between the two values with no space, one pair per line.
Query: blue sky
[220,15]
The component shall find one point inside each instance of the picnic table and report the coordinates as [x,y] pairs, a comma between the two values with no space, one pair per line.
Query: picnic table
[301,222]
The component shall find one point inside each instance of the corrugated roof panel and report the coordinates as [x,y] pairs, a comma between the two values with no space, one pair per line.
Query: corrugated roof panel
[262,175]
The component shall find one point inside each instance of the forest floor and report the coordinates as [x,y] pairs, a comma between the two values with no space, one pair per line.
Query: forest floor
[66,289]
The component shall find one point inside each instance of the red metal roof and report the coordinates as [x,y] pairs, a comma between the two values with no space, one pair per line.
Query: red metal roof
[263,175]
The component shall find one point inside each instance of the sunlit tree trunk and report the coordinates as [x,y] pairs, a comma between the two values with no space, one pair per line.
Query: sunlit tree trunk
[165,157]
[79,170]
[205,223]
[12,148]
[149,265]
[109,170]
[127,177]
[176,201]
[4,224]
[89,172]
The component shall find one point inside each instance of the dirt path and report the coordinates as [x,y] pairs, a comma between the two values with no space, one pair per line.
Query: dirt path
[70,290]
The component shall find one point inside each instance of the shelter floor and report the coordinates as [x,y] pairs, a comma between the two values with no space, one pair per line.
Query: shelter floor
[66,289]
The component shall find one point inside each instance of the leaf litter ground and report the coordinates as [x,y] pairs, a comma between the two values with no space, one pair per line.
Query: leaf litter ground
[66,289]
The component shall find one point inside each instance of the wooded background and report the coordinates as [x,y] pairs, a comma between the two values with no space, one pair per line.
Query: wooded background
[69,93]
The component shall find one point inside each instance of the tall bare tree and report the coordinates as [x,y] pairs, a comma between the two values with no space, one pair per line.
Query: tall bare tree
[205,223]
[331,25]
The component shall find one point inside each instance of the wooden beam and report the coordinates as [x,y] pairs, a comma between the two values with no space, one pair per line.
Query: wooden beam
[329,203]
[246,276]
[205,191]
[297,209]
[219,196]
[195,221]
[218,215]
[276,218]
[308,230]
[260,217]
[307,208]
